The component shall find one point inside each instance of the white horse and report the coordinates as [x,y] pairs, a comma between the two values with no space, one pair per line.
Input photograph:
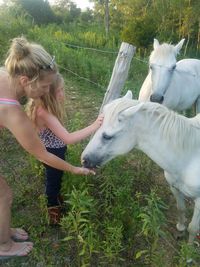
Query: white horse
[169,139]
[174,84]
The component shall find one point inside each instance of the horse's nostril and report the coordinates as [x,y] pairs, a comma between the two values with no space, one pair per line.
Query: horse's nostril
[161,99]
[85,162]
[90,161]
[151,98]
[156,98]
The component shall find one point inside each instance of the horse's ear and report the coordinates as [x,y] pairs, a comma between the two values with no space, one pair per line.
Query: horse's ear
[179,46]
[155,43]
[130,111]
[128,95]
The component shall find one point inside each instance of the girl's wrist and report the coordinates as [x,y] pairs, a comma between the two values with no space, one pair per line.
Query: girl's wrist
[71,168]
[94,127]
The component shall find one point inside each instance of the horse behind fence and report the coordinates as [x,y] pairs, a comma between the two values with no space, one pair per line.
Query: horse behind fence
[174,84]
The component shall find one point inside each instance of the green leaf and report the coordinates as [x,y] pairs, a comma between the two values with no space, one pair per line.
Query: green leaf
[140,253]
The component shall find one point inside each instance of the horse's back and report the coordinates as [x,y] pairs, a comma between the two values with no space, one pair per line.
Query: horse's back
[190,65]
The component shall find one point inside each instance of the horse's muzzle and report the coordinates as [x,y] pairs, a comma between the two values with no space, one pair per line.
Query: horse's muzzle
[89,162]
[156,98]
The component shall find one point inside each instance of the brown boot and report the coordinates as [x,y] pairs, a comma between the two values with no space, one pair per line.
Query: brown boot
[54,214]
[63,205]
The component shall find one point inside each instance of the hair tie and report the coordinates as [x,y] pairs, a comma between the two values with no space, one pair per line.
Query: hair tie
[50,65]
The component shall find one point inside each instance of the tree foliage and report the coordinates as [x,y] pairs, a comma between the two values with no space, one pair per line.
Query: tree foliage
[139,21]
[39,10]
[133,21]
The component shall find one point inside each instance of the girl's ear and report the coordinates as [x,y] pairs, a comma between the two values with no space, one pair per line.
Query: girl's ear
[24,80]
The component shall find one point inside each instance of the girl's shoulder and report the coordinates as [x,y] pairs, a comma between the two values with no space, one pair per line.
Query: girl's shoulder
[41,111]
[4,78]
[43,114]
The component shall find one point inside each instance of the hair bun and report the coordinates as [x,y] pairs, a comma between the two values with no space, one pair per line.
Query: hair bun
[20,48]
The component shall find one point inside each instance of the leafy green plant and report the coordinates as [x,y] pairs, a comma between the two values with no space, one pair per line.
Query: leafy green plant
[153,220]
[79,227]
[152,216]
[188,255]
[112,245]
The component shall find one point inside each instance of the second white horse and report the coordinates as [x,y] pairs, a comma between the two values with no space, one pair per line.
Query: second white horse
[173,84]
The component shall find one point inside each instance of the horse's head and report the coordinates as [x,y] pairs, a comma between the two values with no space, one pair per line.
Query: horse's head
[162,64]
[114,136]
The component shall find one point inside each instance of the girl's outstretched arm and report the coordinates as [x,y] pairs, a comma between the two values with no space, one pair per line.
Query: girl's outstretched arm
[17,122]
[60,131]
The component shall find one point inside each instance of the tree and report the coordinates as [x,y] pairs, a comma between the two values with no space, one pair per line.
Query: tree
[107,26]
[87,16]
[40,10]
[102,11]
[67,11]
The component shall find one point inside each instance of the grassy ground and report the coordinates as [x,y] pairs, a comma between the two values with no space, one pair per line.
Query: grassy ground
[25,177]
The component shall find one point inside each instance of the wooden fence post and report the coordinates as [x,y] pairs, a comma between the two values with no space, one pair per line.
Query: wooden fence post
[119,74]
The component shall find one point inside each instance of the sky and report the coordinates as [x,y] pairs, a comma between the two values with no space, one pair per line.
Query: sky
[83,4]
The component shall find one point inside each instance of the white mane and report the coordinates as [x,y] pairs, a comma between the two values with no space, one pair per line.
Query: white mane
[183,132]
[162,52]
[118,105]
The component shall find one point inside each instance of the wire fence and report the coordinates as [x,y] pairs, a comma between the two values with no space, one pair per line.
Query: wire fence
[93,50]
[115,53]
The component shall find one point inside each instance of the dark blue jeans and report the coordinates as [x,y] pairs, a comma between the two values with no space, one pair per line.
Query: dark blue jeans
[54,178]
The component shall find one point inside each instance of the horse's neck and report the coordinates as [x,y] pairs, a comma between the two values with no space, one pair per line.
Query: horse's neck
[150,141]
[182,91]
[189,65]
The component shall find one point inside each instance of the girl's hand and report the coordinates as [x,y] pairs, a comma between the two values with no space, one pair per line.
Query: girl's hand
[98,121]
[83,171]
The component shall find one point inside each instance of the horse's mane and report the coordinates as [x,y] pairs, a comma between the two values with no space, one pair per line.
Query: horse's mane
[183,132]
[119,105]
[162,51]
[173,127]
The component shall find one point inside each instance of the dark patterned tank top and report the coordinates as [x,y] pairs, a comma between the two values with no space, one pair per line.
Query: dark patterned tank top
[50,140]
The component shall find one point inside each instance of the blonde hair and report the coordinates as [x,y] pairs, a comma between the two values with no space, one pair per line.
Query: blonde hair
[48,102]
[29,59]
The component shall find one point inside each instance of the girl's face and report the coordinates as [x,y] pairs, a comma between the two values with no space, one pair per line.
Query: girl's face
[40,87]
[60,92]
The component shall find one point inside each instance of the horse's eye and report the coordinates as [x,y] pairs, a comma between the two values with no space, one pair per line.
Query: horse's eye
[106,136]
[173,67]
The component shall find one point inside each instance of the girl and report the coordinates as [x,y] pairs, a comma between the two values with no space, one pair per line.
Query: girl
[47,114]
[29,71]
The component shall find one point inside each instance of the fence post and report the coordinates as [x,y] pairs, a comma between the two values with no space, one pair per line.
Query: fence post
[119,74]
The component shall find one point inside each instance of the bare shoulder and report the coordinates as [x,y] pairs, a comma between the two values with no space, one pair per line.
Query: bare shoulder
[3,69]
[43,114]
[41,111]
[4,80]
[3,74]
[11,114]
